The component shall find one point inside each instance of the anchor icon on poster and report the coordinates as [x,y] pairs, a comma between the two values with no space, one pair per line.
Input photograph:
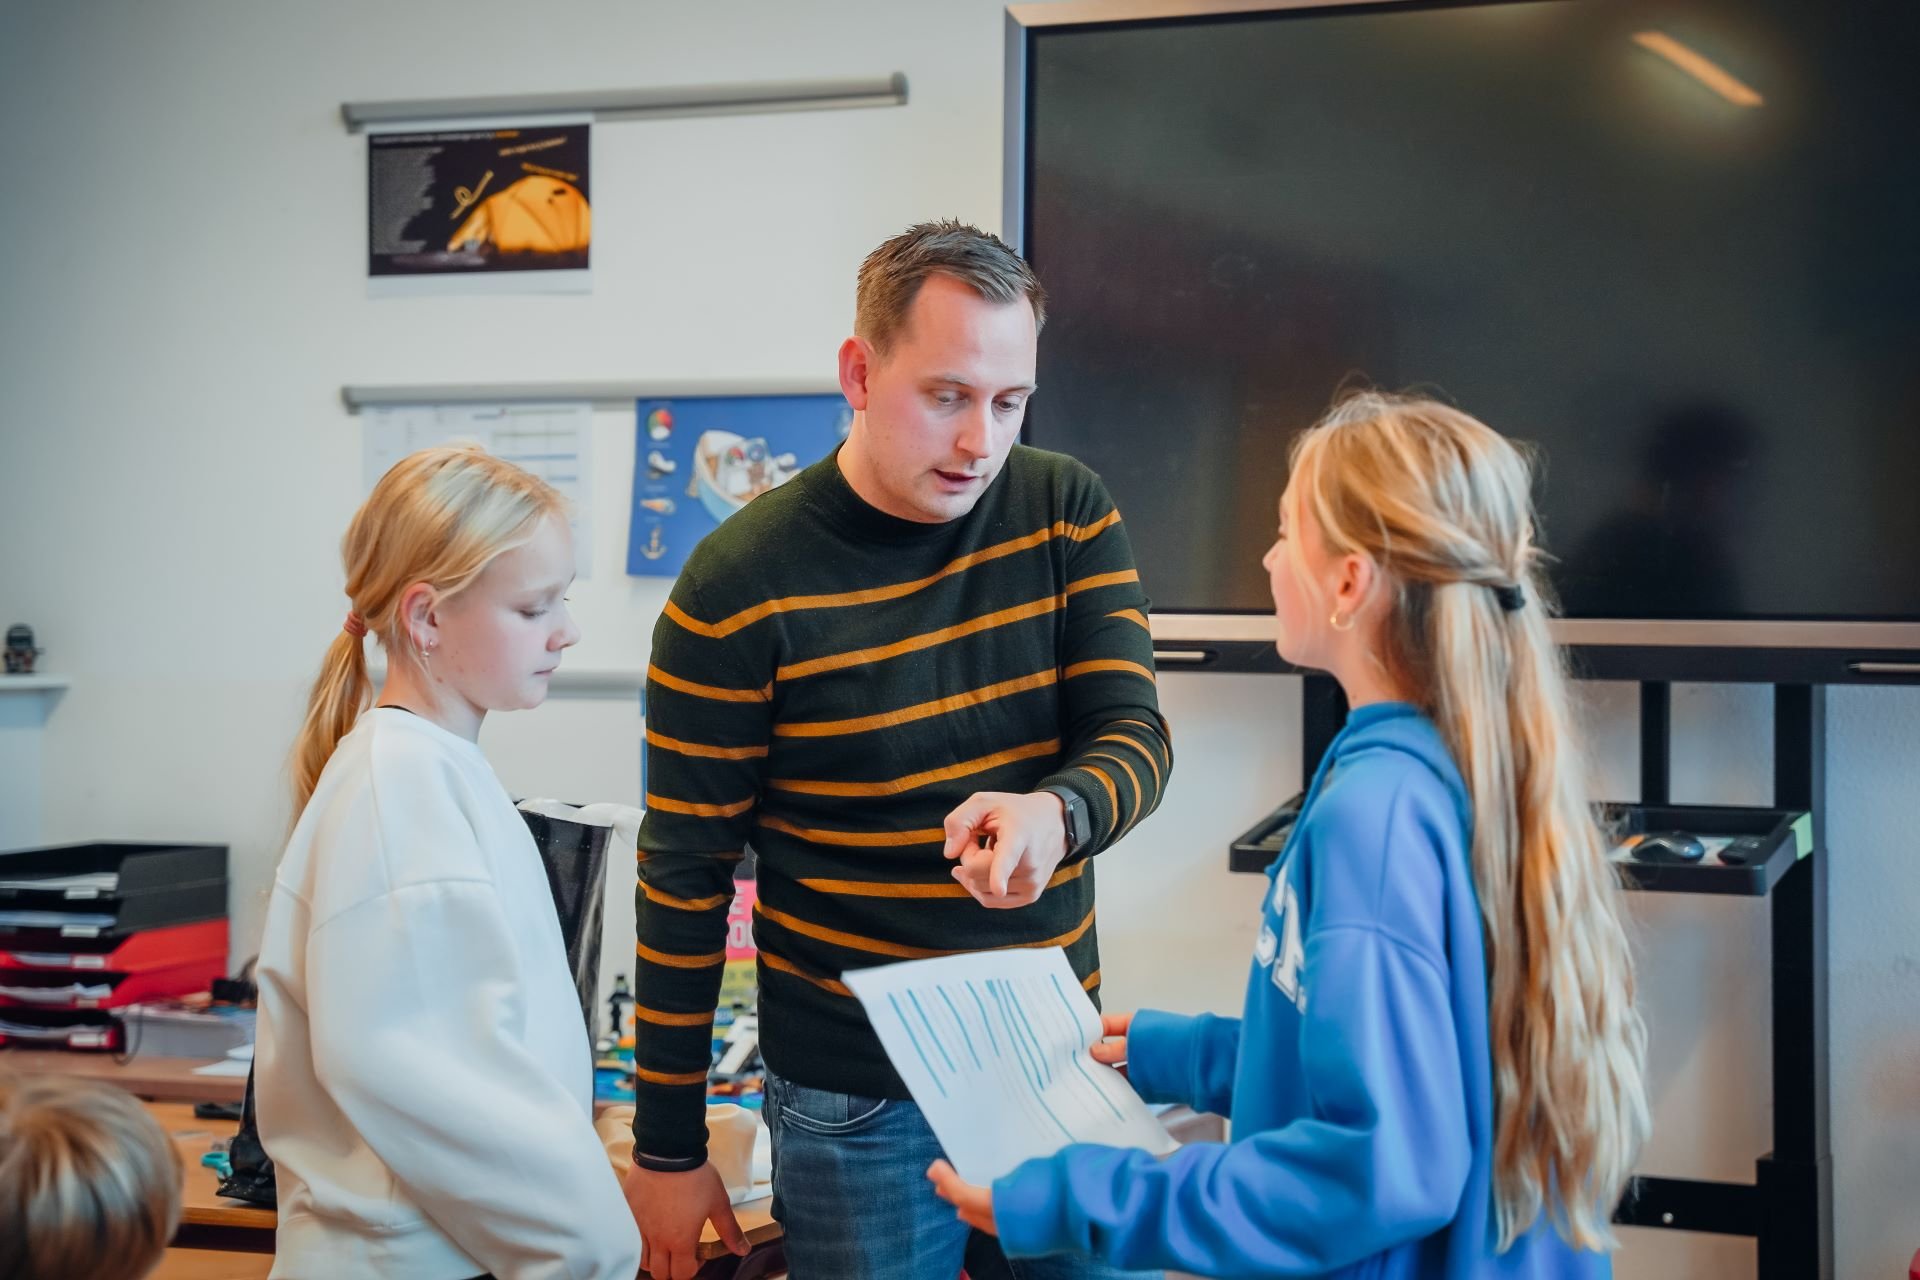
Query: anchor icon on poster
[654,548]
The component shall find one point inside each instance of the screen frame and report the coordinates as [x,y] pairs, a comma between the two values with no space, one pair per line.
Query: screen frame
[1760,650]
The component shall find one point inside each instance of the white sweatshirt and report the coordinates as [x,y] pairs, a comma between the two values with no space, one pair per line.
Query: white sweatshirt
[423,1077]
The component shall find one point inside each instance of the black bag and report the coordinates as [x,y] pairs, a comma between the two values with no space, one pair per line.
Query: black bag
[251,1178]
[574,855]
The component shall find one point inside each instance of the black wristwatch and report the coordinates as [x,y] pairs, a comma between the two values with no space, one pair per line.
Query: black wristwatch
[1079,823]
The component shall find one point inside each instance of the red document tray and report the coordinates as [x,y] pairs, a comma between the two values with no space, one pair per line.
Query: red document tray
[97,1033]
[135,953]
[148,984]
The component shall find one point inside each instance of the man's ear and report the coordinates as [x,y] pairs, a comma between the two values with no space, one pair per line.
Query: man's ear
[857,358]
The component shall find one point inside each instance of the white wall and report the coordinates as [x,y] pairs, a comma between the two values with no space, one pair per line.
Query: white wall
[24,704]
[181,296]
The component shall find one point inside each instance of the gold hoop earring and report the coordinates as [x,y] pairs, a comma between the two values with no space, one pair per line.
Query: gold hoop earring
[1333,620]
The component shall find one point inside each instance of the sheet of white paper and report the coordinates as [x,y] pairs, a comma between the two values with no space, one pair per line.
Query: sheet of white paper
[56,960]
[224,1067]
[56,920]
[84,884]
[993,1046]
[57,995]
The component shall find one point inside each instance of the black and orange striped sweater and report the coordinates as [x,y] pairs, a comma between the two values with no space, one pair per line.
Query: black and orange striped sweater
[827,683]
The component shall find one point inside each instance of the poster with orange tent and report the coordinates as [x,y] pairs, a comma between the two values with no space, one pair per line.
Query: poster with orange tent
[497,201]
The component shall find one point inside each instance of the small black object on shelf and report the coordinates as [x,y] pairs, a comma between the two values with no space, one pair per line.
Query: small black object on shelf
[1744,851]
[19,652]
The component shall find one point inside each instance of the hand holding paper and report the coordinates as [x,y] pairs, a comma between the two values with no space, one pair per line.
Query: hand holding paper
[994,1047]
[973,1205]
[1113,1050]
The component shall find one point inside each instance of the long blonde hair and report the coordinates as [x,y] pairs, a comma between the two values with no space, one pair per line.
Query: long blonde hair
[438,516]
[1441,503]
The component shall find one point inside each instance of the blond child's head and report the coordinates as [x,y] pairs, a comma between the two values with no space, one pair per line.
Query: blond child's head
[456,563]
[89,1182]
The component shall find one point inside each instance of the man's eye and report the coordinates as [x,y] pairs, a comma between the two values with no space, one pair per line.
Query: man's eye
[1009,406]
[532,613]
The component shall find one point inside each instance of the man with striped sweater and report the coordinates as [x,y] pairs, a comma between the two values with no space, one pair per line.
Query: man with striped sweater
[918,680]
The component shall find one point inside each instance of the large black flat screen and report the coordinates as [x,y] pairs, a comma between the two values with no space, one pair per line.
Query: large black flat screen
[1706,315]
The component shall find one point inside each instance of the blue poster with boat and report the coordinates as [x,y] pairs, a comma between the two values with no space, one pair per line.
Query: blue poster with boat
[699,459]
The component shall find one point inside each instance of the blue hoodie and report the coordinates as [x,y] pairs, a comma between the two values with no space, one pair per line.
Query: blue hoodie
[1359,1079]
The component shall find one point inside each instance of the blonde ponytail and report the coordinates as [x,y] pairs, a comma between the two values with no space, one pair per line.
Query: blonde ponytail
[1441,503]
[339,695]
[439,516]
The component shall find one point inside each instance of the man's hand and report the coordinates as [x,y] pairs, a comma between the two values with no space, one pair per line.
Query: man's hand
[671,1209]
[973,1205]
[1007,845]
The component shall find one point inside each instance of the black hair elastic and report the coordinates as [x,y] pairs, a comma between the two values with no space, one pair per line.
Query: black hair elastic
[1512,596]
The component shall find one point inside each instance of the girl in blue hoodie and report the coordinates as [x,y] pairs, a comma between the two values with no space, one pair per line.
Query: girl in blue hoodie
[1438,1069]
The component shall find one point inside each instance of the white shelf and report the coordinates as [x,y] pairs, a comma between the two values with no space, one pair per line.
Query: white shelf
[33,683]
[22,719]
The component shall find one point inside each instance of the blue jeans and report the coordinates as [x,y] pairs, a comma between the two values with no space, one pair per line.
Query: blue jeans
[850,1190]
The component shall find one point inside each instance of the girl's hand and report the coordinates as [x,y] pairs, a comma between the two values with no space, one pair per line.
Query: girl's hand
[1113,1050]
[974,1204]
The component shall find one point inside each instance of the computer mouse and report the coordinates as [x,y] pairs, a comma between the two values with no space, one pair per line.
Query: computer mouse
[1669,846]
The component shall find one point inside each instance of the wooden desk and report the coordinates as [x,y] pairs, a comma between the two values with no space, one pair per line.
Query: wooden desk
[211,1264]
[203,1206]
[223,1239]
[210,1222]
[163,1079]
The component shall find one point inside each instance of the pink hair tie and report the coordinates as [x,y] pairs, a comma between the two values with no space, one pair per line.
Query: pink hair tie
[354,626]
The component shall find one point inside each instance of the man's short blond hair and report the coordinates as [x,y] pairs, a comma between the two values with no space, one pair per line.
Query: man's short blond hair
[89,1182]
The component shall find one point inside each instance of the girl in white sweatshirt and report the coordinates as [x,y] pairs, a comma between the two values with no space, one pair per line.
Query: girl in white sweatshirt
[423,1074]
